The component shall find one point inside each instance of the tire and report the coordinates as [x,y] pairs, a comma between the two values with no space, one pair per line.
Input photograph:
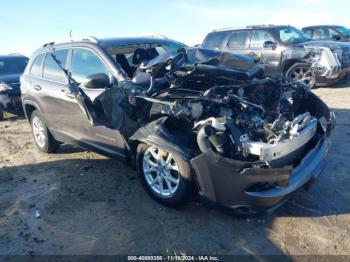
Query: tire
[180,185]
[301,72]
[42,137]
[1,115]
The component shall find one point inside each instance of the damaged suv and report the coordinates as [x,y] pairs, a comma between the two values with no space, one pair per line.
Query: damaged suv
[285,50]
[187,118]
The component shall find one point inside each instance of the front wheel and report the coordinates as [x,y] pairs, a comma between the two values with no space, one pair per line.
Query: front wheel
[1,115]
[42,137]
[301,72]
[164,175]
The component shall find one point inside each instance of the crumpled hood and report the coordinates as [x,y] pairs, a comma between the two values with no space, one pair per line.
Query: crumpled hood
[241,63]
[199,66]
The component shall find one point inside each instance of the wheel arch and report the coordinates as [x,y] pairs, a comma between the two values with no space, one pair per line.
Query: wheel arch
[29,107]
[156,133]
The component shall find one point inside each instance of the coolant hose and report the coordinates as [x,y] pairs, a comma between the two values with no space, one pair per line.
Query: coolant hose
[203,138]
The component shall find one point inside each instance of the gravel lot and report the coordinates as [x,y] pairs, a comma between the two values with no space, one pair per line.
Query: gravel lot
[90,204]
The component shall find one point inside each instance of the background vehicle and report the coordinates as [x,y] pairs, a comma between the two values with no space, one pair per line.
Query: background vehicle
[328,32]
[287,51]
[11,68]
[180,115]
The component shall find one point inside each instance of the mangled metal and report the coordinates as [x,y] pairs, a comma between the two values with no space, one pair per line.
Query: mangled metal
[221,101]
[245,136]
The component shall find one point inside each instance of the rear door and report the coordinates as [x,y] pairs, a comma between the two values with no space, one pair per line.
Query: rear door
[238,42]
[309,32]
[215,40]
[32,82]
[46,80]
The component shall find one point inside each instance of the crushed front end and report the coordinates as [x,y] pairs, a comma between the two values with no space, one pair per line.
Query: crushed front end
[251,141]
[248,187]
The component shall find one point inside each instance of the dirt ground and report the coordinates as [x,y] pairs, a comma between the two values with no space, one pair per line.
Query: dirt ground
[90,204]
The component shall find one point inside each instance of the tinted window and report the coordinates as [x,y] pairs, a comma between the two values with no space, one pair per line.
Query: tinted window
[214,40]
[325,33]
[12,65]
[86,63]
[36,66]
[344,31]
[239,40]
[308,32]
[333,33]
[321,33]
[52,71]
[259,38]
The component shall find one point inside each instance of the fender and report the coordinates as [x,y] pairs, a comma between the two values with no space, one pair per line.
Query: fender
[156,133]
[31,103]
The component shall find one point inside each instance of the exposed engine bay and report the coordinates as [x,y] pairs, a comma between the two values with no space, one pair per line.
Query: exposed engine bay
[261,120]
[219,101]
[222,102]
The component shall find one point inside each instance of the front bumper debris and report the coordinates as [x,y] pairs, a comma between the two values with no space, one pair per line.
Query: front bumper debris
[231,183]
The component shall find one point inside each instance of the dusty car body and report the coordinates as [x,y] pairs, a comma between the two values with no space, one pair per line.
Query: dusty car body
[204,116]
[11,68]
[284,50]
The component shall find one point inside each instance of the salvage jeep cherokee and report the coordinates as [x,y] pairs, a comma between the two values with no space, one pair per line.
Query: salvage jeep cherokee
[285,50]
[187,118]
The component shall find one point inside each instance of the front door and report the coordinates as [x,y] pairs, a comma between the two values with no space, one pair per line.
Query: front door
[84,63]
[270,55]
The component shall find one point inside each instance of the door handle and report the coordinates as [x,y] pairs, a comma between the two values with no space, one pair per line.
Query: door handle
[37,88]
[68,93]
[253,54]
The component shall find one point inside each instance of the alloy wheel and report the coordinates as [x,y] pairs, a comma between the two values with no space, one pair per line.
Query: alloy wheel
[39,132]
[161,171]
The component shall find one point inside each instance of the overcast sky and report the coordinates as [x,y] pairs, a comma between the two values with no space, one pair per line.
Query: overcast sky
[26,25]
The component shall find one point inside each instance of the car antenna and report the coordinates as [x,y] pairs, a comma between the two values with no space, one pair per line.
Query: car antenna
[70,35]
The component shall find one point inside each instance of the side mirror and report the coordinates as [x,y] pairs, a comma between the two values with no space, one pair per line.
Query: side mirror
[98,81]
[336,37]
[269,44]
